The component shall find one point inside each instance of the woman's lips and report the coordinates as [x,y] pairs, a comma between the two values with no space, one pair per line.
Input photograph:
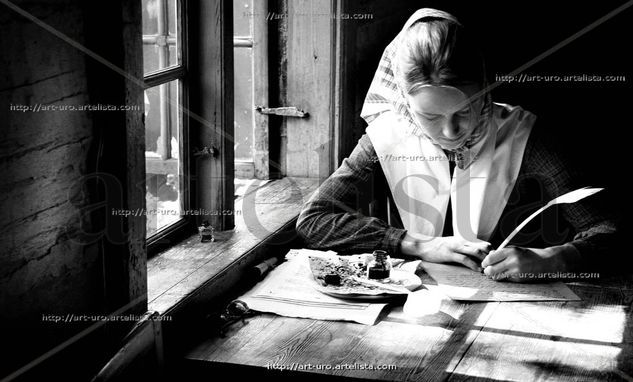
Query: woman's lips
[453,143]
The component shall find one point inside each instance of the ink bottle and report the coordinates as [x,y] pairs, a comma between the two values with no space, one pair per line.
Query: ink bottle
[206,232]
[379,267]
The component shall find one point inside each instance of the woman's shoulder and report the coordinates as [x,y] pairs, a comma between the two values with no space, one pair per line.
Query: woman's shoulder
[542,151]
[389,128]
[506,115]
[546,152]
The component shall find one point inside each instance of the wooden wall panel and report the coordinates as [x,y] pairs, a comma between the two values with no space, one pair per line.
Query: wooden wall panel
[310,87]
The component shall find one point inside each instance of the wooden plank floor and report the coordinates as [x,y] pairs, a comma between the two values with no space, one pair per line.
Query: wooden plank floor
[588,340]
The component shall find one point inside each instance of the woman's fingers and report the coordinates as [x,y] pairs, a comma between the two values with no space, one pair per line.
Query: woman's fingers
[465,260]
[483,246]
[496,272]
[494,257]
[470,251]
[478,250]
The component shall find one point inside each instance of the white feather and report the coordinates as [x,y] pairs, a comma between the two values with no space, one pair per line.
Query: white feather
[570,197]
[574,196]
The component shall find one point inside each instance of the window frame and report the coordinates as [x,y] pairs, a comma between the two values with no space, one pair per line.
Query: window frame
[210,113]
[179,72]
[207,60]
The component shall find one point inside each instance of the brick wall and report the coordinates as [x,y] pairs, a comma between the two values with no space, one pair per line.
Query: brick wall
[47,265]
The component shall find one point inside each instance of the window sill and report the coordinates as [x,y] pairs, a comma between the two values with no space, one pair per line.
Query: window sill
[192,271]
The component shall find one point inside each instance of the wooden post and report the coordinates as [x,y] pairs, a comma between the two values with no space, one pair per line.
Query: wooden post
[212,81]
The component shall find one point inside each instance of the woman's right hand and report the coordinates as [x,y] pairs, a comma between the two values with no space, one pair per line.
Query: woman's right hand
[445,249]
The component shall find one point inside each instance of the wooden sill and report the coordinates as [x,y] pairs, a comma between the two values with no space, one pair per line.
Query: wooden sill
[195,272]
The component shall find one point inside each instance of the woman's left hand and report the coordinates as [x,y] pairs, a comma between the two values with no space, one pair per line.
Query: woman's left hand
[529,264]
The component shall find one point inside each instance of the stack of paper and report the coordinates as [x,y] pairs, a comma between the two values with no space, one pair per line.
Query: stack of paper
[289,291]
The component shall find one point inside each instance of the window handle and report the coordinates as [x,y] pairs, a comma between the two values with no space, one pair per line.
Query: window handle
[287,111]
[205,151]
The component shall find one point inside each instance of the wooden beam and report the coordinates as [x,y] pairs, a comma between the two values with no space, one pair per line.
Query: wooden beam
[211,99]
[136,261]
[118,180]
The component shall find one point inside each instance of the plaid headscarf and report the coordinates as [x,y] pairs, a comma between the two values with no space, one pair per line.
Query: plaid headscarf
[385,93]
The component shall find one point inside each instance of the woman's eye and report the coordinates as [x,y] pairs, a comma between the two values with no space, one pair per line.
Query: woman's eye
[430,118]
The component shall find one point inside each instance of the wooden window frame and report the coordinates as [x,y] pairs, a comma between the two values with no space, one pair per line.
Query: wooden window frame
[206,74]
[178,72]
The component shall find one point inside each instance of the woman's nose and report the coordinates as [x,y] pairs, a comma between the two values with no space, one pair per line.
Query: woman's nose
[451,129]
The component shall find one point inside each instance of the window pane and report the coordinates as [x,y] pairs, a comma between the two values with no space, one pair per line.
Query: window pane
[162,139]
[173,56]
[150,20]
[160,34]
[150,58]
[172,31]
[242,17]
[243,103]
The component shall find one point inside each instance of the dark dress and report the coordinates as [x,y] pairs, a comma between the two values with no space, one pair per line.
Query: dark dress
[353,210]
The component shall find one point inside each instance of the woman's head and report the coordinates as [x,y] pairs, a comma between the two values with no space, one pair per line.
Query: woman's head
[438,51]
[442,74]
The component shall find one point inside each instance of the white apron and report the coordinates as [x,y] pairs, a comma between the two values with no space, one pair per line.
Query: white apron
[417,172]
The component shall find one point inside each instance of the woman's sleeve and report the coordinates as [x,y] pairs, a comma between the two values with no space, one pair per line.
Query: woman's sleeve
[594,222]
[330,219]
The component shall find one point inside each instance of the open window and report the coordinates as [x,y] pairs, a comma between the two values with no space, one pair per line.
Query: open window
[165,75]
[188,118]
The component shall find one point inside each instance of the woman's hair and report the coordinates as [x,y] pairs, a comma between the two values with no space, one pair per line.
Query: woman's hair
[437,51]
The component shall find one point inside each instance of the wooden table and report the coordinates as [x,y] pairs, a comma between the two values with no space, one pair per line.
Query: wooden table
[590,339]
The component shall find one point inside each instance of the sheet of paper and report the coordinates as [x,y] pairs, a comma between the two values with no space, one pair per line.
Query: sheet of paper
[288,290]
[461,283]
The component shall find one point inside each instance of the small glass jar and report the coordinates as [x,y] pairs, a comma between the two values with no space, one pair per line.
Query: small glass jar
[379,268]
[206,232]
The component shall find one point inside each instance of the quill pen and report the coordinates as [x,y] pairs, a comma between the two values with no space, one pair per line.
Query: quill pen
[570,197]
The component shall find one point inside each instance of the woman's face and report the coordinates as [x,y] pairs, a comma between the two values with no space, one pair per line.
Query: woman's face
[447,114]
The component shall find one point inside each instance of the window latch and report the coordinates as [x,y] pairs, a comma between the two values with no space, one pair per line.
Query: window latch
[288,111]
[205,151]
